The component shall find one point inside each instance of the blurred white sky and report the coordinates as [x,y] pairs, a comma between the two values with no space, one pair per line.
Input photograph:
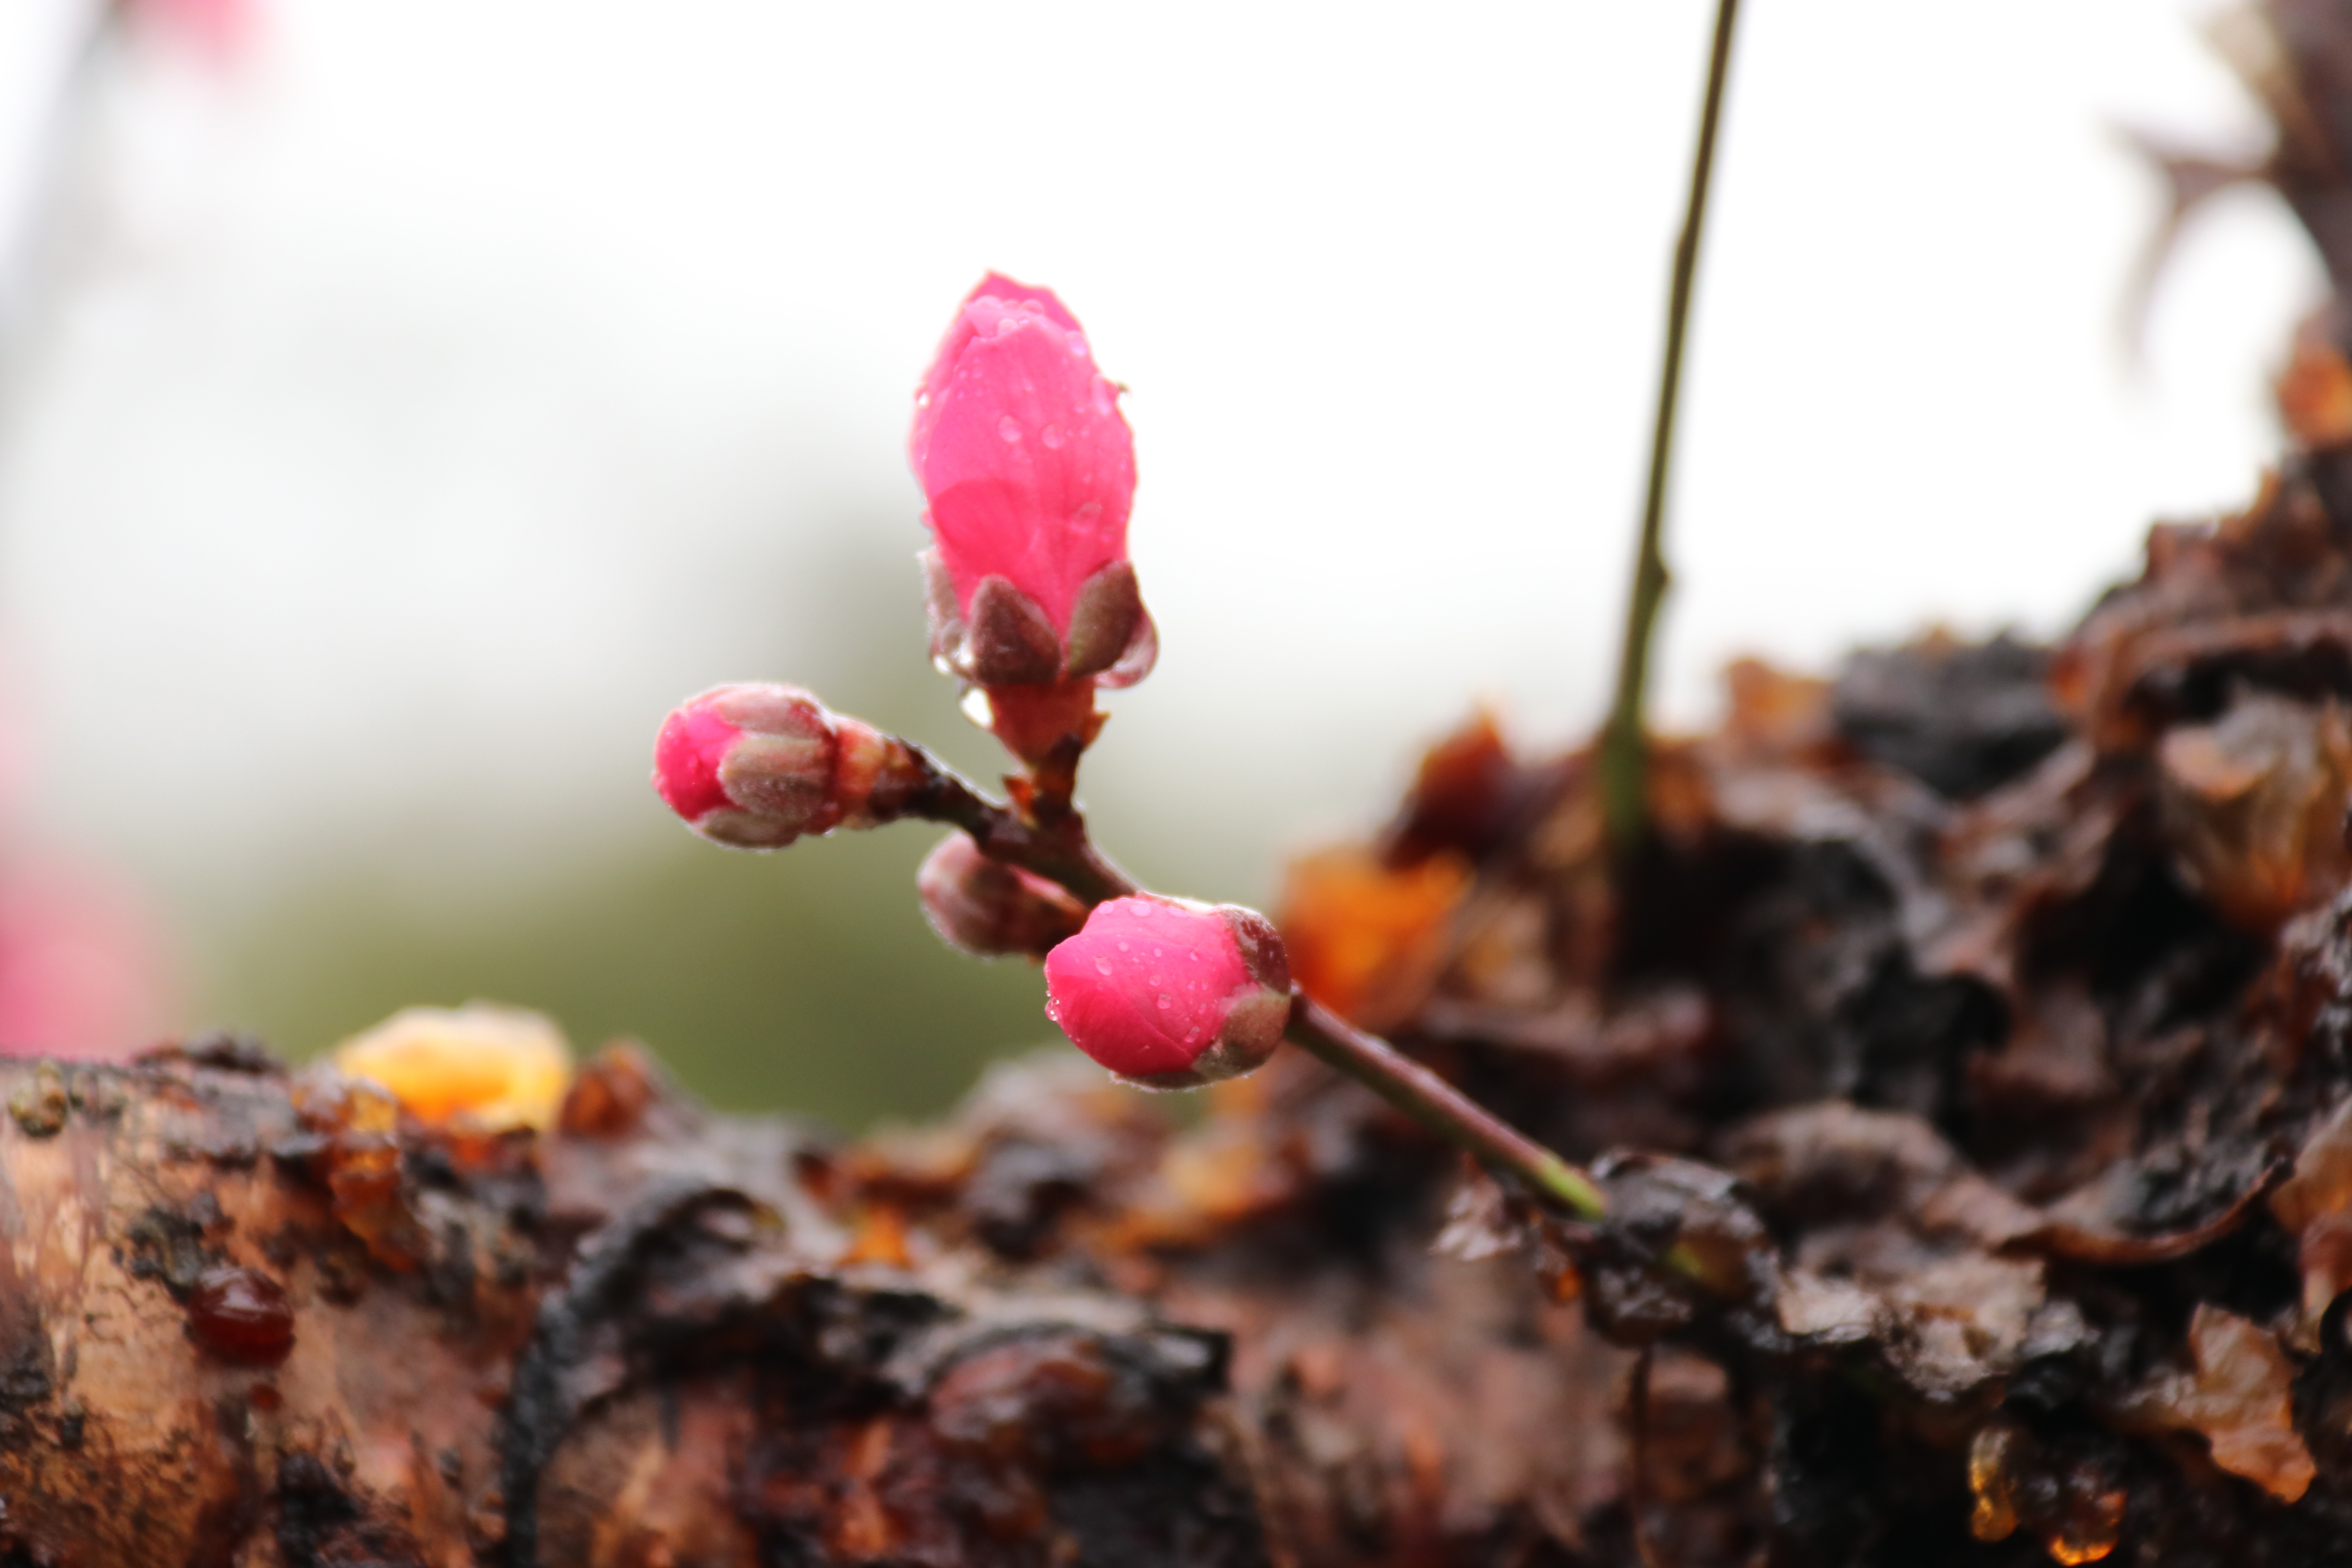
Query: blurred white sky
[403,419]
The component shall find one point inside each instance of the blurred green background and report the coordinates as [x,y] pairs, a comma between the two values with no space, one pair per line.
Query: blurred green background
[805,979]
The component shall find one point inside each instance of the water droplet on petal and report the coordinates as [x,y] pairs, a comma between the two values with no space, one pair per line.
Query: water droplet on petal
[1166,1001]
[1156,980]
[1053,436]
[1191,1034]
[1087,512]
[1077,345]
[1106,395]
[1009,428]
[1102,966]
[1122,945]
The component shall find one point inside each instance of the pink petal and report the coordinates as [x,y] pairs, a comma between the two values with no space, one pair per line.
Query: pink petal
[694,740]
[997,286]
[1145,988]
[1022,451]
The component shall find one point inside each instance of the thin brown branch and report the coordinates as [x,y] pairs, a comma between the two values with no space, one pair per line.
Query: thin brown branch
[1055,846]
[1623,748]
[1058,850]
[1440,1107]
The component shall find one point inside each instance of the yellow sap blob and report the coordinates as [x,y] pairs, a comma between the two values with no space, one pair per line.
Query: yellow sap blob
[483,1065]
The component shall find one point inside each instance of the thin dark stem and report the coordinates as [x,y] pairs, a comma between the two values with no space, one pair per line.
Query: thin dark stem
[1057,849]
[1440,1107]
[1623,750]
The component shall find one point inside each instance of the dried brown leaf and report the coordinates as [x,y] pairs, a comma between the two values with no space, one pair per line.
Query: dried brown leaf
[1366,939]
[2241,1397]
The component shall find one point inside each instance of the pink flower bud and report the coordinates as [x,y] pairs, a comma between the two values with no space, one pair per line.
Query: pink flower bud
[756,766]
[1170,993]
[1029,469]
[990,909]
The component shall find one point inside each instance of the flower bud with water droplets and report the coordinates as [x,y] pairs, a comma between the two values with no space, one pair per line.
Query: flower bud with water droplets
[1029,470]
[754,766]
[989,908]
[1169,993]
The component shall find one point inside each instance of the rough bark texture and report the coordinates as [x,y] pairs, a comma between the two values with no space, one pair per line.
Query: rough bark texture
[1982,1020]
[637,1344]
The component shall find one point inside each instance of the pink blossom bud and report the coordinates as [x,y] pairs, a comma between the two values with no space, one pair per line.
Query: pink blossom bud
[989,908]
[1170,993]
[1029,469]
[756,766]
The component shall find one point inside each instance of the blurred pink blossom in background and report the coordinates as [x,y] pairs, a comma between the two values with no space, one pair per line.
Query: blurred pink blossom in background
[221,31]
[82,966]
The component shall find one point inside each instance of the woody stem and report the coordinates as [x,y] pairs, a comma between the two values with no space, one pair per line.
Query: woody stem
[1439,1106]
[1059,850]
[1624,748]
[1056,848]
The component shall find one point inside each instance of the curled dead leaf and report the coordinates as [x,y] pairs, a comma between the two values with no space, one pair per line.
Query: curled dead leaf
[2253,805]
[2314,393]
[2241,1397]
[1366,939]
[2315,1206]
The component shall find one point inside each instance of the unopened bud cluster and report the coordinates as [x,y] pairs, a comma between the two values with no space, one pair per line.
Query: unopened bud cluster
[755,766]
[1028,468]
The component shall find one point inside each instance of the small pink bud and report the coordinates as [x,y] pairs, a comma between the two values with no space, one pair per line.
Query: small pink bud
[1170,993]
[755,766]
[1029,469]
[989,908]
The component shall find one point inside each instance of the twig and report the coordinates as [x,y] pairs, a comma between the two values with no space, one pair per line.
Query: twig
[1439,1106]
[1637,1463]
[1060,851]
[1623,760]
[1055,847]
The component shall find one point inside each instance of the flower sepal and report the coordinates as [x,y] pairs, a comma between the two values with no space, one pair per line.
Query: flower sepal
[1007,639]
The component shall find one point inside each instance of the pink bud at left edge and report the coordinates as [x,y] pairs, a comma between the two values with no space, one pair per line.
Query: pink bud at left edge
[754,766]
